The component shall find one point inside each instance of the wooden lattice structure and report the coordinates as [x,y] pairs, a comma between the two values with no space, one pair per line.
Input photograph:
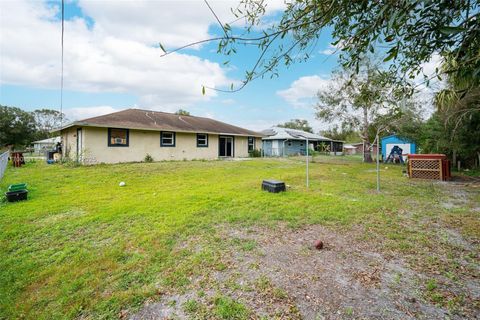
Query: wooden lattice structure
[429,166]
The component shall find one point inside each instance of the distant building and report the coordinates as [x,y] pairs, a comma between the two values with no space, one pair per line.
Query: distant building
[349,149]
[357,148]
[280,142]
[45,144]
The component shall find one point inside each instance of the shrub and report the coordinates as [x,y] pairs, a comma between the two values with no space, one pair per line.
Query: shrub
[256,153]
[148,158]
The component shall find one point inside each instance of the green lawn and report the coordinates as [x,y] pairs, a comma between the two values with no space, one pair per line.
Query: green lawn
[82,246]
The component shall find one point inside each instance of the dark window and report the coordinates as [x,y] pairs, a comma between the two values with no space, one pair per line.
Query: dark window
[167,139]
[117,137]
[202,140]
[251,144]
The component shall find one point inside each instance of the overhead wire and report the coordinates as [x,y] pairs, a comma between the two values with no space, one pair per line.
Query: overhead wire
[61,76]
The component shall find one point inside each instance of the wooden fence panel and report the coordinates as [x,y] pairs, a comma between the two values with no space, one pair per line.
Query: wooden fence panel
[425,169]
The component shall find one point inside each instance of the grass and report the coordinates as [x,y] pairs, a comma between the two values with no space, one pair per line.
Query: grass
[82,246]
[229,309]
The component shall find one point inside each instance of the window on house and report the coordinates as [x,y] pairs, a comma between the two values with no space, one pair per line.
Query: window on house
[251,144]
[202,140]
[117,137]
[167,139]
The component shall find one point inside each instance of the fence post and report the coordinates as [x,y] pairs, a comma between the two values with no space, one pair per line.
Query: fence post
[440,166]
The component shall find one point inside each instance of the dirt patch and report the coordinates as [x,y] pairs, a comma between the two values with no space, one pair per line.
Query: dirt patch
[457,196]
[277,273]
[346,278]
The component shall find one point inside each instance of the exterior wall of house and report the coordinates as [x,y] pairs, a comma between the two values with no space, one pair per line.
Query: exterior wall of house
[275,148]
[294,147]
[290,147]
[270,148]
[258,143]
[142,142]
[69,142]
[241,147]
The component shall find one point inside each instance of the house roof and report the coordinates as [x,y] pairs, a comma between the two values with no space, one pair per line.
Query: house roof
[278,133]
[161,121]
[48,141]
[398,138]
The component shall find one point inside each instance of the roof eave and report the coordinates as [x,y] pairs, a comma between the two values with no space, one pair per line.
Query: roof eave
[94,125]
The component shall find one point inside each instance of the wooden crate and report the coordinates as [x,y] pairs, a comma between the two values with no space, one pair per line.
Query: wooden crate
[425,169]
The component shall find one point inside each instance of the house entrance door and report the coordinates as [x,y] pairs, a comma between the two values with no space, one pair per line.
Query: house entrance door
[225,146]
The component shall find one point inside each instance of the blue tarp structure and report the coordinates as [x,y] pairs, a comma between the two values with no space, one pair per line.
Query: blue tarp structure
[388,143]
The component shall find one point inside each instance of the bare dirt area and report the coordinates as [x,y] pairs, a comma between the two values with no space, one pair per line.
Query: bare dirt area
[345,278]
[460,191]
[277,273]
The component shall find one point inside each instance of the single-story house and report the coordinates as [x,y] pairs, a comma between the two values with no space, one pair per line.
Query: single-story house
[406,146]
[280,142]
[129,135]
[45,144]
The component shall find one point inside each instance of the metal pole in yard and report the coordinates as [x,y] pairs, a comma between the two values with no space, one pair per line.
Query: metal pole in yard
[306,139]
[378,165]
[308,184]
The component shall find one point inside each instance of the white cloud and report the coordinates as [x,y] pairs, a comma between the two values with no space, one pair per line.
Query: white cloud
[426,93]
[327,51]
[332,49]
[107,57]
[302,92]
[119,52]
[73,114]
[173,23]
[428,71]
[228,102]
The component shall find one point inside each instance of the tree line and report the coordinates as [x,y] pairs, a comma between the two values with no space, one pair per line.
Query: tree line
[369,98]
[19,128]
[372,102]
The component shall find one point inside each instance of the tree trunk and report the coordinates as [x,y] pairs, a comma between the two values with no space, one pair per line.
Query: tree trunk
[367,154]
[454,156]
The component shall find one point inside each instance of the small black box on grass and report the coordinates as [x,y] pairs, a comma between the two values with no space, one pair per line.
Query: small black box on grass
[274,186]
[19,195]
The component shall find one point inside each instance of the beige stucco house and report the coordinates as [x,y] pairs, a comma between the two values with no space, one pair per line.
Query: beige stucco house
[131,134]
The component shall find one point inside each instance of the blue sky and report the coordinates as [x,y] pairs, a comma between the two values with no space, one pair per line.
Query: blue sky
[112,62]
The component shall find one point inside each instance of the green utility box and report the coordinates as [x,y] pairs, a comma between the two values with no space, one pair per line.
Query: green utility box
[17,187]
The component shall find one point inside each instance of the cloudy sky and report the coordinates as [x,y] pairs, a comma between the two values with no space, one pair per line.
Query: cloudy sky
[112,62]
